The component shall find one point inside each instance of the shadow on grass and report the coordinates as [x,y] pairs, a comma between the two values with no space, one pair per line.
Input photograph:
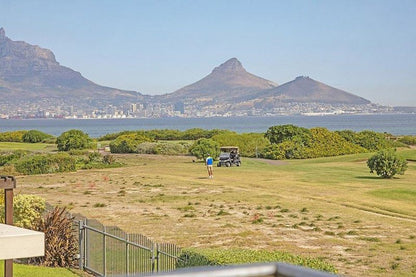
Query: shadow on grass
[369,177]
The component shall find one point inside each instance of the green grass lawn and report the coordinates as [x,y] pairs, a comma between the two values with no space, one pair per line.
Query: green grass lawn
[8,146]
[331,208]
[20,270]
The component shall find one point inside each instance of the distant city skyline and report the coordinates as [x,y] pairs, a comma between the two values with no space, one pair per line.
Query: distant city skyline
[157,47]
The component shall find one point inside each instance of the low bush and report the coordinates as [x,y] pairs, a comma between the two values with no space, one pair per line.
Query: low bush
[26,209]
[369,140]
[108,159]
[250,144]
[8,158]
[168,134]
[325,143]
[164,148]
[49,163]
[321,143]
[61,246]
[204,257]
[409,140]
[94,157]
[127,143]
[147,148]
[12,136]
[78,152]
[387,163]
[34,136]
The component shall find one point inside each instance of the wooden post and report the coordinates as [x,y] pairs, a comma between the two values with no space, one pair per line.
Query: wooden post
[8,183]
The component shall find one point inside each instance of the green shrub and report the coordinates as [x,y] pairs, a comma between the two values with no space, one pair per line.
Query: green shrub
[164,148]
[204,147]
[167,134]
[147,148]
[34,136]
[348,135]
[280,133]
[409,140]
[201,257]
[73,139]
[94,157]
[78,152]
[12,136]
[108,159]
[61,244]
[96,160]
[274,152]
[325,143]
[127,143]
[285,150]
[49,163]
[8,158]
[317,142]
[113,136]
[387,163]
[372,141]
[26,209]
[250,144]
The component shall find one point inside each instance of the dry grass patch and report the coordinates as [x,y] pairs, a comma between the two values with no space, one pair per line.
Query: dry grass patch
[331,207]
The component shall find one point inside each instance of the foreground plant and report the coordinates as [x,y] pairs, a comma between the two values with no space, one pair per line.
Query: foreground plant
[61,245]
[387,163]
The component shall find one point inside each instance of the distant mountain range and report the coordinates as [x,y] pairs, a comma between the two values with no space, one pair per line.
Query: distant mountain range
[227,82]
[30,75]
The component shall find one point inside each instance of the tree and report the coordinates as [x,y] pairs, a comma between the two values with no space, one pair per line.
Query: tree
[73,139]
[280,133]
[386,163]
[203,147]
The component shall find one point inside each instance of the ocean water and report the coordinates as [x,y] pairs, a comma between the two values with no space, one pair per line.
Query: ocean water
[396,124]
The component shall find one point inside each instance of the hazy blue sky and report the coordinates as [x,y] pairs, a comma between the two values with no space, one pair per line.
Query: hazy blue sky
[364,47]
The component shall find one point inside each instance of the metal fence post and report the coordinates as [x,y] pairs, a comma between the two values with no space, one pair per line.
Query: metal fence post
[153,257]
[86,248]
[104,252]
[80,244]
[157,257]
[127,254]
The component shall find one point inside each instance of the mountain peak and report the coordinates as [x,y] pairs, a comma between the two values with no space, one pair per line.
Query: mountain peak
[2,34]
[302,78]
[232,65]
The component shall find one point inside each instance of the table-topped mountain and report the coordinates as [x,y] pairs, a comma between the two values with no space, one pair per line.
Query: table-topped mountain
[31,73]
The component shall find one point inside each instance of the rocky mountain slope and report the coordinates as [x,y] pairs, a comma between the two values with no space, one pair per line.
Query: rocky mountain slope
[304,89]
[227,82]
[31,73]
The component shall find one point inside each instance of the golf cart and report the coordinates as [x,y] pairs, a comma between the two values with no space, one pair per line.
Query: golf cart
[229,156]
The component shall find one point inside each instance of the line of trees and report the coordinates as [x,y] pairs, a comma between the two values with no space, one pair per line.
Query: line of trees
[278,142]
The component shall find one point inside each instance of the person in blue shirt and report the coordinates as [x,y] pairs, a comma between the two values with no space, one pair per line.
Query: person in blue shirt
[209,161]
